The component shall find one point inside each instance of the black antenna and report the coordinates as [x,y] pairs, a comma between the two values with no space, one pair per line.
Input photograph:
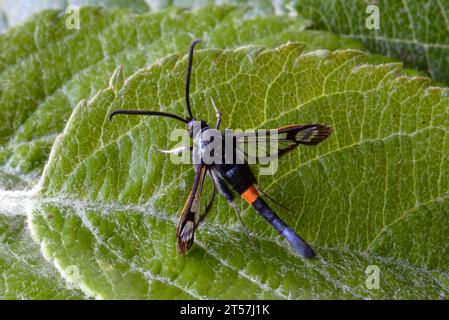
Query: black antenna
[147,113]
[165,114]
[189,71]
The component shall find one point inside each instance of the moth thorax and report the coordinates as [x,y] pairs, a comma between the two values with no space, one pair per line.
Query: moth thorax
[211,146]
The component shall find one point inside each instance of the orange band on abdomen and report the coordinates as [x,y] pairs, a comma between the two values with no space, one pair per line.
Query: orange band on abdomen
[250,195]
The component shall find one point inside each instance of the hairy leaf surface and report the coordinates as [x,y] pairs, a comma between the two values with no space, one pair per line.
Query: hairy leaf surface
[46,69]
[416,32]
[373,194]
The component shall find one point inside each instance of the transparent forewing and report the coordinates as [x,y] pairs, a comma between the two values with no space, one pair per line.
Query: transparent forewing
[195,209]
[258,146]
[266,145]
[186,226]
[206,199]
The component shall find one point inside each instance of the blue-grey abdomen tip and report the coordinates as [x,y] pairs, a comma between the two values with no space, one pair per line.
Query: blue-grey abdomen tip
[307,252]
[298,244]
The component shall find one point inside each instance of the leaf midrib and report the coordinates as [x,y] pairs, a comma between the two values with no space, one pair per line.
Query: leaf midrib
[144,209]
[209,227]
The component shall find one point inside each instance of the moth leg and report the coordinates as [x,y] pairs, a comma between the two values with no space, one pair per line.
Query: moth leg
[177,150]
[223,189]
[280,205]
[217,114]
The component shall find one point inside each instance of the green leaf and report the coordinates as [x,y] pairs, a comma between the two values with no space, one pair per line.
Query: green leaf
[374,193]
[13,12]
[44,73]
[257,7]
[46,69]
[417,32]
[25,273]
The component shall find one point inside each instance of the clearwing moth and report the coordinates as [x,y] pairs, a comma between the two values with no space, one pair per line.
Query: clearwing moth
[235,177]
